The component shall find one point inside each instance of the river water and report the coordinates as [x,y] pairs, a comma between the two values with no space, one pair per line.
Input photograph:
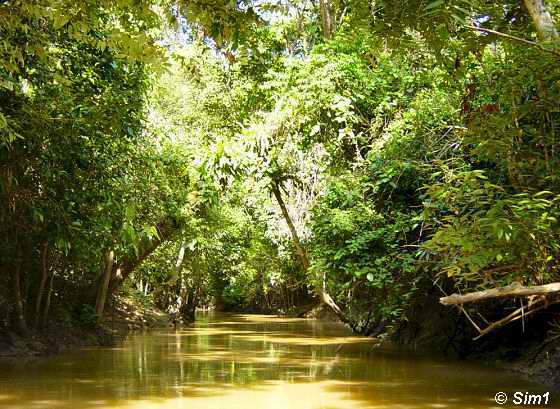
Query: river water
[252,362]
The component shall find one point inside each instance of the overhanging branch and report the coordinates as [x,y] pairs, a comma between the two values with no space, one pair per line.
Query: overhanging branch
[516,39]
[513,290]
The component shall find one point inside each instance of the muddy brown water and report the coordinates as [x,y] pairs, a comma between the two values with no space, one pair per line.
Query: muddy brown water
[253,362]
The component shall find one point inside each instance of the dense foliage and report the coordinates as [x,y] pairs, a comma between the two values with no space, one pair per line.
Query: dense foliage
[265,155]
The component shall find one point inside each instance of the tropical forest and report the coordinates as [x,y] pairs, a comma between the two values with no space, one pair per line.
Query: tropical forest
[279,203]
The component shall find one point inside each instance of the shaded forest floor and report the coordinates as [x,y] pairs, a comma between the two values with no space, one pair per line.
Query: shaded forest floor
[123,315]
[129,313]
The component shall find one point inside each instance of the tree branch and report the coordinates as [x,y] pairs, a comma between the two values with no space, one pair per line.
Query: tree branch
[514,316]
[513,290]
[514,38]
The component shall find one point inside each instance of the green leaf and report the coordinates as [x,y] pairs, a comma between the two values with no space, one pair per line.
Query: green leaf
[434,4]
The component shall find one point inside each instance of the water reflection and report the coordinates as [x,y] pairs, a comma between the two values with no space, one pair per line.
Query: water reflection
[250,361]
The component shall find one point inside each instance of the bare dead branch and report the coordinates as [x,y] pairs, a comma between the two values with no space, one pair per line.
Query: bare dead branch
[517,314]
[513,290]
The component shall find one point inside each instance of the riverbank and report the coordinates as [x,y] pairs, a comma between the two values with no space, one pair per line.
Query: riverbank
[124,315]
[55,339]
[535,356]
[541,365]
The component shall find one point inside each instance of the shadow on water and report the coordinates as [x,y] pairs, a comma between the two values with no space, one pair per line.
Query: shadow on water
[250,361]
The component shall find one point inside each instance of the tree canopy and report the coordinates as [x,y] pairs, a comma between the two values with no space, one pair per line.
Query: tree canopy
[264,155]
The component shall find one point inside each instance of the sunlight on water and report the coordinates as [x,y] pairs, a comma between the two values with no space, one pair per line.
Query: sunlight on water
[278,395]
[250,362]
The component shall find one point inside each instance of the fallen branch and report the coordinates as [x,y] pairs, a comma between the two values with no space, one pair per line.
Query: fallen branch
[514,316]
[513,290]
[470,319]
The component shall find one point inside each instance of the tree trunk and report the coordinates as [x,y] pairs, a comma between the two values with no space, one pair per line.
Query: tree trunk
[542,19]
[42,284]
[188,308]
[178,264]
[47,302]
[127,265]
[327,21]
[20,314]
[295,238]
[104,285]
[325,297]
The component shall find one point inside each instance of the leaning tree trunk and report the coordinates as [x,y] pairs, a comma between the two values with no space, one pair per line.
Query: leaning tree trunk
[42,284]
[325,297]
[104,285]
[542,19]
[127,264]
[293,232]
